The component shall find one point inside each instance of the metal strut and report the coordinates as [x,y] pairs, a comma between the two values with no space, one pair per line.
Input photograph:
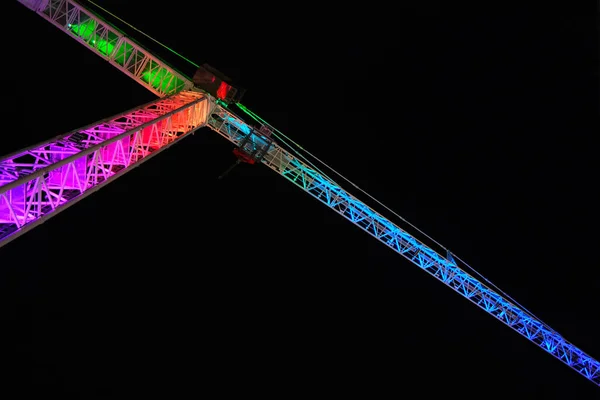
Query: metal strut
[228,170]
[249,151]
[444,268]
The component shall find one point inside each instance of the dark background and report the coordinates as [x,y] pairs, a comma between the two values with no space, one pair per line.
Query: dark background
[478,125]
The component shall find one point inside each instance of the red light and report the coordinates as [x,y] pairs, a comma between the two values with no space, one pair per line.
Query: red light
[222,90]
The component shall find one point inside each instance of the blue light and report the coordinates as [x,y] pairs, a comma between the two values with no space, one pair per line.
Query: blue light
[239,124]
[444,269]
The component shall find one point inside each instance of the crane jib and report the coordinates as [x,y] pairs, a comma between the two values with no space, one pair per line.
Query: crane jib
[42,180]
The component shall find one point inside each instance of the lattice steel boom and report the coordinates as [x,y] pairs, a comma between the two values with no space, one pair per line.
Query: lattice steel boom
[445,270]
[42,180]
[112,45]
[38,182]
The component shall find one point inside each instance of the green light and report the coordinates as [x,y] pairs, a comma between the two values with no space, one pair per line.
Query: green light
[154,75]
[151,38]
[123,53]
[86,31]
[161,79]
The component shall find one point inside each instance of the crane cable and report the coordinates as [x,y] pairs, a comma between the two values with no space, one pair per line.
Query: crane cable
[143,33]
[449,254]
[276,131]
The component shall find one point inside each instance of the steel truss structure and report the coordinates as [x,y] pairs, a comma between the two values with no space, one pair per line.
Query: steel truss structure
[112,45]
[38,182]
[445,269]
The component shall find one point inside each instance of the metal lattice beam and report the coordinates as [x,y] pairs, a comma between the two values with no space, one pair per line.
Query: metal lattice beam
[112,45]
[38,182]
[41,181]
[444,269]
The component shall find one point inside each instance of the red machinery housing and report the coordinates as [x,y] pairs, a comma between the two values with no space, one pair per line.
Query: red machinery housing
[217,84]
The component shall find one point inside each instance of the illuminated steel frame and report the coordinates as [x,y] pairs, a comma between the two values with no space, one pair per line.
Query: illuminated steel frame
[55,177]
[38,182]
[112,45]
[445,269]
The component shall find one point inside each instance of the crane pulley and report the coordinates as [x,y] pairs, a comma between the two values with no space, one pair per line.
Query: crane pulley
[252,148]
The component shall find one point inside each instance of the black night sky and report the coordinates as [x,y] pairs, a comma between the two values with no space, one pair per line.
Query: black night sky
[478,125]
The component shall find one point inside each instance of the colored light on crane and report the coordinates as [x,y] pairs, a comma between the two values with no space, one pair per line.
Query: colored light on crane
[159,78]
[29,193]
[223,90]
[110,45]
[39,182]
[86,30]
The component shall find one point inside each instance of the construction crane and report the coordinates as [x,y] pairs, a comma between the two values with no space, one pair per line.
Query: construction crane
[38,182]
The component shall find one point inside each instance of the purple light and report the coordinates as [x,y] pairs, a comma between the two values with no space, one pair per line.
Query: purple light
[38,182]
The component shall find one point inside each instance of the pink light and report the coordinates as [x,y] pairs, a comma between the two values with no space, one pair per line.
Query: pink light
[38,182]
